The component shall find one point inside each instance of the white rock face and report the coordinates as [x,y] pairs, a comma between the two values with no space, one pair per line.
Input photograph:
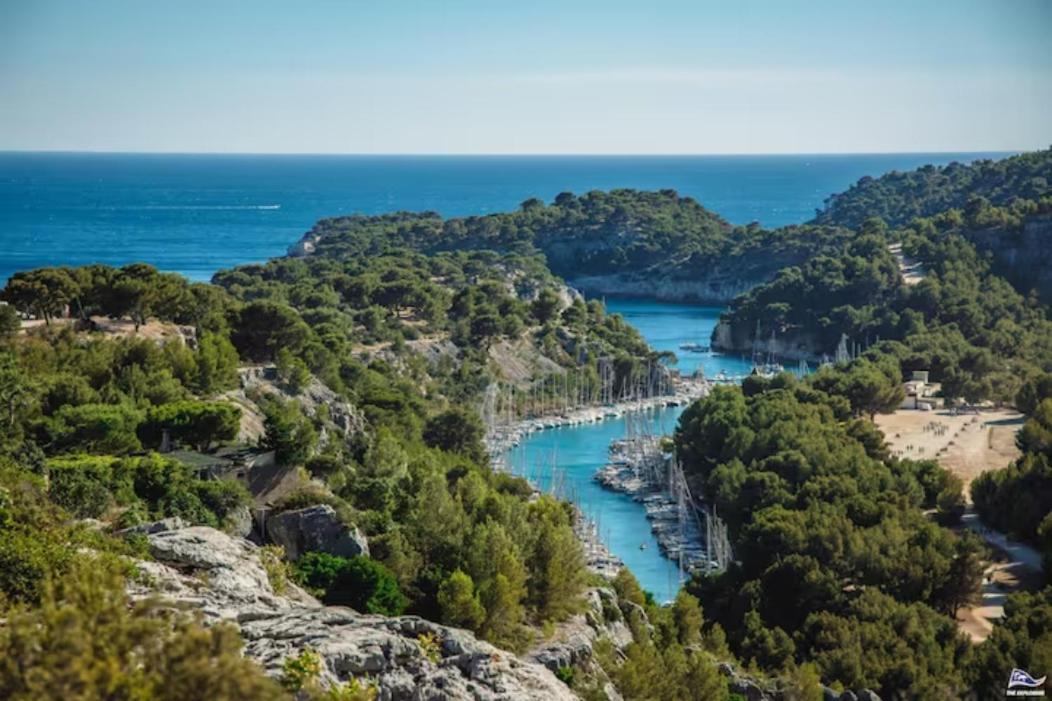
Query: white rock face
[574,638]
[388,651]
[305,246]
[714,288]
[222,576]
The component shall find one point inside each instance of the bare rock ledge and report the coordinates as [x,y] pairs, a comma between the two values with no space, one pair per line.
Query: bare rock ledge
[203,569]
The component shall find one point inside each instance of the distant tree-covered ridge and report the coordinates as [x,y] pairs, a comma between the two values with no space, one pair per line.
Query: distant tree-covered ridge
[898,198]
[646,236]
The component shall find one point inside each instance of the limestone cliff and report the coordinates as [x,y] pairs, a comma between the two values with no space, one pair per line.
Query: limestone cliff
[790,344]
[710,287]
[1023,256]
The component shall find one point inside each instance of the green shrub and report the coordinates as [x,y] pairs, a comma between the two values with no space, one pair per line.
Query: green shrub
[96,428]
[196,423]
[86,641]
[317,572]
[366,585]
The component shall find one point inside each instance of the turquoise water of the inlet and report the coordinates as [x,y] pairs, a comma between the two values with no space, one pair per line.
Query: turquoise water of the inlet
[578,451]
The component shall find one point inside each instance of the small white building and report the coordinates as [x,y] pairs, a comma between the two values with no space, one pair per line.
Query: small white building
[920,393]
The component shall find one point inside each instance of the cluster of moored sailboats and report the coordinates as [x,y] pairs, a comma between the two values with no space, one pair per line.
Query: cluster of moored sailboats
[639,468]
[502,437]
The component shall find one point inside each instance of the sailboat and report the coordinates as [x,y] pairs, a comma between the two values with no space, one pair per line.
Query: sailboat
[768,368]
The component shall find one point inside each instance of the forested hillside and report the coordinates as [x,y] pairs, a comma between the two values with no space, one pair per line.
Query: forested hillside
[124,364]
[656,244]
[842,555]
[838,563]
[899,198]
[1018,498]
[977,334]
[350,378]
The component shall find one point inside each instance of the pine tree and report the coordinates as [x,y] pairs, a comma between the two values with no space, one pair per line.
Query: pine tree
[459,602]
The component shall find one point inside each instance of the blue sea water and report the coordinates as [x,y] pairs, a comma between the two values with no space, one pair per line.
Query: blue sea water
[195,214]
[667,326]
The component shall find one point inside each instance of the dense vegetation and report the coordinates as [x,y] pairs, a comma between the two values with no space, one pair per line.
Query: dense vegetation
[845,569]
[85,641]
[898,198]
[129,359]
[835,561]
[598,233]
[1023,638]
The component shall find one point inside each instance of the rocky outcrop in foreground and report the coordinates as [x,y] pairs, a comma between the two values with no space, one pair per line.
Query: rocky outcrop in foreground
[203,569]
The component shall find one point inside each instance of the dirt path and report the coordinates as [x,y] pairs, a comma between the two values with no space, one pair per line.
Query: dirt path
[912,271]
[1012,567]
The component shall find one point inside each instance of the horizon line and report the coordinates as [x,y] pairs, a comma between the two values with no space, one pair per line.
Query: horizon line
[451,154]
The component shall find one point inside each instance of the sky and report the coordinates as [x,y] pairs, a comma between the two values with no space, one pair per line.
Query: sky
[537,77]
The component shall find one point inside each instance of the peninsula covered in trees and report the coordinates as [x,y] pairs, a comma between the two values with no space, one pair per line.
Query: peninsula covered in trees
[617,243]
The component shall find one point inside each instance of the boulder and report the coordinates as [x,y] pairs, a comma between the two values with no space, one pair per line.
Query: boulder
[207,569]
[743,685]
[868,695]
[848,696]
[316,528]
[571,643]
[747,688]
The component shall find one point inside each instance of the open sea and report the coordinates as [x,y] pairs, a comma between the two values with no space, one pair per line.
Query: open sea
[195,214]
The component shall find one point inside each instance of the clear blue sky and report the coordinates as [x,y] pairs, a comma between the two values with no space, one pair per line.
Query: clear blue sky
[735,76]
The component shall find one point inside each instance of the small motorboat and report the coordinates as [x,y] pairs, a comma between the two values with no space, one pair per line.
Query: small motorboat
[694,347]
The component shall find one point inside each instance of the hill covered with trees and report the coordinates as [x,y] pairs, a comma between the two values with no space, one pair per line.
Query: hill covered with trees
[898,198]
[1018,498]
[978,335]
[836,563]
[800,479]
[120,362]
[656,244]
[374,352]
